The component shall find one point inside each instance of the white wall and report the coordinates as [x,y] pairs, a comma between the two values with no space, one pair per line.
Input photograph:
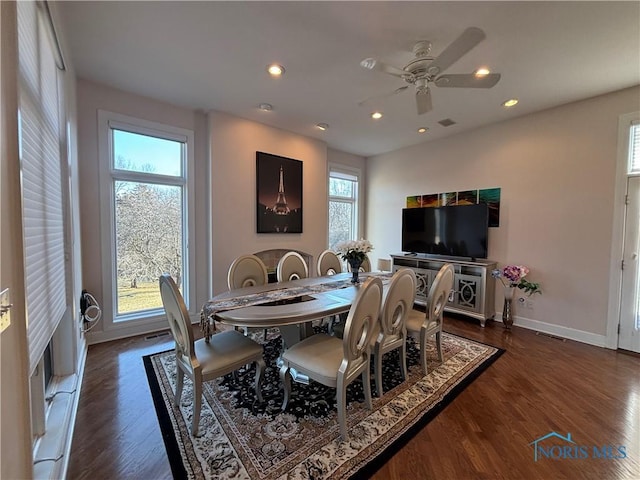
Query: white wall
[556,169]
[234,142]
[15,431]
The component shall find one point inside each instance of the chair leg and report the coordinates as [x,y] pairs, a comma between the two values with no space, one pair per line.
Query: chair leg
[197,403]
[423,351]
[439,344]
[341,405]
[403,359]
[260,367]
[378,371]
[366,383]
[285,379]
[179,385]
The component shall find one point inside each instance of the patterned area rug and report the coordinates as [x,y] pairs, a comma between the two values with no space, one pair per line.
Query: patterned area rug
[243,439]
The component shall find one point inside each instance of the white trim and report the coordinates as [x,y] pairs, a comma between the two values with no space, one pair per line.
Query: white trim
[106,121]
[617,235]
[61,421]
[127,331]
[558,331]
[359,194]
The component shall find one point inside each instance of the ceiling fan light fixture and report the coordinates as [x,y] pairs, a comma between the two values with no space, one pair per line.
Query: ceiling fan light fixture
[376,115]
[322,126]
[482,72]
[275,70]
[265,107]
[510,103]
[422,129]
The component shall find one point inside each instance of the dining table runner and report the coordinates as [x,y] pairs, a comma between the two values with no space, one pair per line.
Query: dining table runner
[210,308]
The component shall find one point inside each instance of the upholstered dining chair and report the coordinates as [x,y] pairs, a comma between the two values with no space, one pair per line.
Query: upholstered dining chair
[430,323]
[328,264]
[337,362]
[247,271]
[392,334]
[202,361]
[291,266]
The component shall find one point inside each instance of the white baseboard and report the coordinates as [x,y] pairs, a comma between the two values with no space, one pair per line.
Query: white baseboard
[559,331]
[132,331]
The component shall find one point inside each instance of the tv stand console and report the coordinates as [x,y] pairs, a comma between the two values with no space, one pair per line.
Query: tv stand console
[473,286]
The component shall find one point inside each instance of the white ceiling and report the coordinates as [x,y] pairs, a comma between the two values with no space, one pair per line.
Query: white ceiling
[213,55]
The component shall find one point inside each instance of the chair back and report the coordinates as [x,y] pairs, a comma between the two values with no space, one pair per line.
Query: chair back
[397,305]
[292,267]
[361,325]
[439,292]
[365,266]
[328,263]
[247,271]
[178,318]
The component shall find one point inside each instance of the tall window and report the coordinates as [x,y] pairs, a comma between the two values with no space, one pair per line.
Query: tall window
[148,214]
[343,206]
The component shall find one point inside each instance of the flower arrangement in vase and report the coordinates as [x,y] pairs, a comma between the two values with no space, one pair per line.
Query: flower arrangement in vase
[354,252]
[512,277]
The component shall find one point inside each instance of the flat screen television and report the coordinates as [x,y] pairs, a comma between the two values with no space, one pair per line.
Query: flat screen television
[454,231]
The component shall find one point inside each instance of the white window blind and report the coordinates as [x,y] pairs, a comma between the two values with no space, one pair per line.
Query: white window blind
[42,195]
[634,148]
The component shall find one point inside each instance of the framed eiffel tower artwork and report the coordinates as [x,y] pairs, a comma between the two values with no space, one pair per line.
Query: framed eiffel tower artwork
[278,194]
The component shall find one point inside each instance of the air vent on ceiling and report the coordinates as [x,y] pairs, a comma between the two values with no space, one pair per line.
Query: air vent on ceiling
[447,122]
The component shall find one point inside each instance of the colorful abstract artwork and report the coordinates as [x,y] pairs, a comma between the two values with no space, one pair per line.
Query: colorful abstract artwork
[490,196]
[468,197]
[432,200]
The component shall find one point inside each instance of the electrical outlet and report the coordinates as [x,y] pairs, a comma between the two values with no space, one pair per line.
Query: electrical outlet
[529,304]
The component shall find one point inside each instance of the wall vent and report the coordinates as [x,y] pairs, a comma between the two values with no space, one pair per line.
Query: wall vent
[447,122]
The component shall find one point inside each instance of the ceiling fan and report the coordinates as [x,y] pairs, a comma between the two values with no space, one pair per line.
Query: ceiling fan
[424,70]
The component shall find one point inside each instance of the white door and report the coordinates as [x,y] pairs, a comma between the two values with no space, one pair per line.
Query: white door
[629,336]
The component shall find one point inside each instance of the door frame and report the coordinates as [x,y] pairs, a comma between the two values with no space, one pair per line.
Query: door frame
[617,236]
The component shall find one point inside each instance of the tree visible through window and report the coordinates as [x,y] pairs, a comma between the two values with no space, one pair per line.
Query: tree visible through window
[148,191]
[343,207]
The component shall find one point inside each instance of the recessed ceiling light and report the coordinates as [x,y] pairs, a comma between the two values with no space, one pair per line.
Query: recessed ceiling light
[376,115]
[510,103]
[422,129]
[275,70]
[265,107]
[322,126]
[482,72]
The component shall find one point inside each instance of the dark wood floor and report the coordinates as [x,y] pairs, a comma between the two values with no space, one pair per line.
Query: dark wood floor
[539,385]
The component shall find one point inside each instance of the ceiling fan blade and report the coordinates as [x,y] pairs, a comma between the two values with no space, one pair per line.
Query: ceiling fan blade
[373,64]
[423,100]
[384,95]
[467,80]
[465,42]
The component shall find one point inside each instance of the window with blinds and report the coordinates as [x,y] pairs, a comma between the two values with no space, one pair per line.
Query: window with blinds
[634,148]
[42,193]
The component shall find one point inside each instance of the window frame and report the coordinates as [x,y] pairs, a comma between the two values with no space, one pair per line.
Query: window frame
[146,320]
[346,172]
